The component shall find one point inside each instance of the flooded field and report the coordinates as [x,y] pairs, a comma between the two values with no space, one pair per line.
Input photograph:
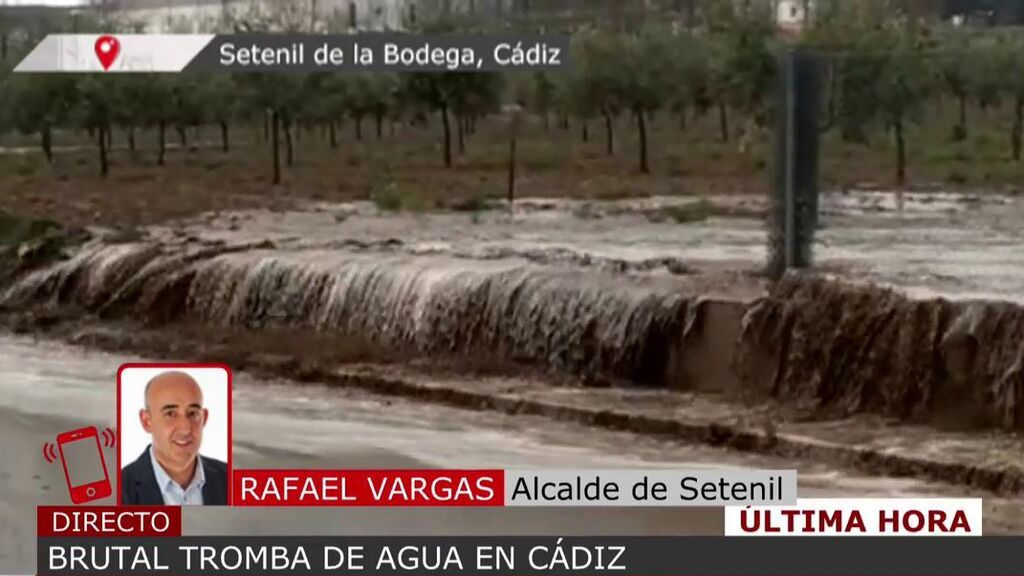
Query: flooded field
[950,244]
[661,292]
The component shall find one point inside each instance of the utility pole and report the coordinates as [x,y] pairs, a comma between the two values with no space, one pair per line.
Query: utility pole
[794,214]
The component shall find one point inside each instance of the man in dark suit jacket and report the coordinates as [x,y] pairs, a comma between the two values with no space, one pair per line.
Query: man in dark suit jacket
[139,484]
[171,471]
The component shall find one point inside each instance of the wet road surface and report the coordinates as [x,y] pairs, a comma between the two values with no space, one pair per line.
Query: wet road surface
[47,388]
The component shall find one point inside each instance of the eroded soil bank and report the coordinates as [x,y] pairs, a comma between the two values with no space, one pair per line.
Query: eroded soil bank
[835,346]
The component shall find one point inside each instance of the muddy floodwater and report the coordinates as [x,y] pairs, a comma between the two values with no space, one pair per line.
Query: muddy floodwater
[590,287]
[951,244]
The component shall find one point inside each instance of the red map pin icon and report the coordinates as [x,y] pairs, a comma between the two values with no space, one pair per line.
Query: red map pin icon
[107,49]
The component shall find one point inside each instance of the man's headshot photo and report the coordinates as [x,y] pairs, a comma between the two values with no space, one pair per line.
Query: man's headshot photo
[174,430]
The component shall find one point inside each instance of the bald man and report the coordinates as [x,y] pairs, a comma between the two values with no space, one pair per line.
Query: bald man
[171,471]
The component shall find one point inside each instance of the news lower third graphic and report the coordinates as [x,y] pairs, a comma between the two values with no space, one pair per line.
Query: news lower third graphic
[765,528]
[85,468]
[397,52]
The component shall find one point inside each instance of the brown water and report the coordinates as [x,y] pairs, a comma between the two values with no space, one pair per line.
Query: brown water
[584,286]
[599,288]
[950,244]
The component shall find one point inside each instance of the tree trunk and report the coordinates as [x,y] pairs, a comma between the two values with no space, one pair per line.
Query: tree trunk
[110,138]
[565,122]
[162,129]
[224,136]
[131,138]
[332,134]
[101,139]
[547,121]
[682,120]
[275,122]
[359,126]
[46,134]
[3,46]
[511,172]
[641,125]
[609,135]
[901,152]
[289,148]
[1018,127]
[380,125]
[447,136]
[461,131]
[585,132]
[266,127]
[723,121]
[833,92]
[182,137]
[960,131]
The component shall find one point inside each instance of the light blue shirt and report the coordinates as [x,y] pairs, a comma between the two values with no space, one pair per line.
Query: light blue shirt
[174,494]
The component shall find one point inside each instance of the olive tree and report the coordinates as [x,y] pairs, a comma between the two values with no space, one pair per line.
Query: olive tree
[650,78]
[36,104]
[905,81]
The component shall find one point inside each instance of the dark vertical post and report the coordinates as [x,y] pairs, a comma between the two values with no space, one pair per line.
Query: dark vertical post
[102,140]
[163,143]
[515,113]
[795,204]
[275,121]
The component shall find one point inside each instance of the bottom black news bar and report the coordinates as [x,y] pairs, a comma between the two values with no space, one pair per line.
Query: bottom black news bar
[524,556]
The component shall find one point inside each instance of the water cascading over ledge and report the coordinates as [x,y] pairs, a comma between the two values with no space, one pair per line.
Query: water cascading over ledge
[831,345]
[567,319]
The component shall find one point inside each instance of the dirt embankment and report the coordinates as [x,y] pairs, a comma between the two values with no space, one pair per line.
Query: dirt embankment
[829,347]
[838,347]
[599,327]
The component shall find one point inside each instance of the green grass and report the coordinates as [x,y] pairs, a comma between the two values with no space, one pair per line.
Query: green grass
[703,209]
[697,212]
[476,203]
[29,242]
[15,230]
[394,196]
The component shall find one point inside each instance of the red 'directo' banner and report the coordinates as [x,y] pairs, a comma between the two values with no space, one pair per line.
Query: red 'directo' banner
[91,521]
[368,488]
